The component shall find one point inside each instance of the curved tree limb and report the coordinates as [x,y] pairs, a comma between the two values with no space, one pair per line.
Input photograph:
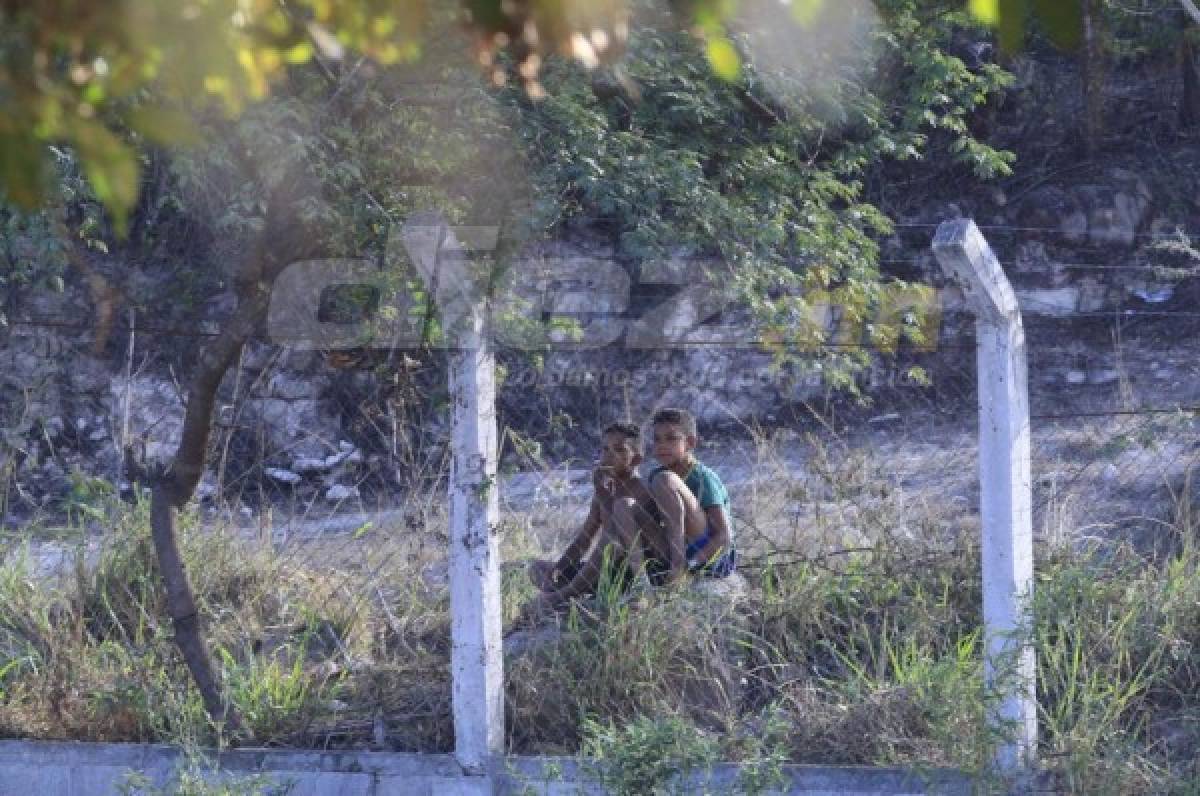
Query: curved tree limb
[278,245]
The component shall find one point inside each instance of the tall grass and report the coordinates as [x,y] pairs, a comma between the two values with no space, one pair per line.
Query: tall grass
[868,654]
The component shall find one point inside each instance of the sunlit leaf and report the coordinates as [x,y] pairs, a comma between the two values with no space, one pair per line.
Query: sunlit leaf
[21,164]
[986,11]
[1013,16]
[164,126]
[298,54]
[1062,21]
[111,167]
[724,58]
[1008,17]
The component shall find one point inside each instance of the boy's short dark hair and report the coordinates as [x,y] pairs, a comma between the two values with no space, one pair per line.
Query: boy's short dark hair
[627,430]
[679,417]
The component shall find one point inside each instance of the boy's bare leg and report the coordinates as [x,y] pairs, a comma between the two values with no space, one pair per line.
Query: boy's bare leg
[623,538]
[626,529]
[682,518]
[548,575]
[586,579]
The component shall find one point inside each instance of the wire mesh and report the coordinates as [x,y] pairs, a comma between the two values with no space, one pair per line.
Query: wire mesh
[336,462]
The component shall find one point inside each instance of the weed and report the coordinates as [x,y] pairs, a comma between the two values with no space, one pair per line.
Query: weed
[277,699]
[646,755]
[198,777]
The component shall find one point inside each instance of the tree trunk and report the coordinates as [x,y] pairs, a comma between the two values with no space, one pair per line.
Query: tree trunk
[1091,70]
[281,242]
[174,487]
[181,606]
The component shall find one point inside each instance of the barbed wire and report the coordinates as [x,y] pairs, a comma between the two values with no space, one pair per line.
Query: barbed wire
[1163,236]
[904,344]
[1057,264]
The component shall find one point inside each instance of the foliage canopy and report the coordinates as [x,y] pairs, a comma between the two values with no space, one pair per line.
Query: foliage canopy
[103,77]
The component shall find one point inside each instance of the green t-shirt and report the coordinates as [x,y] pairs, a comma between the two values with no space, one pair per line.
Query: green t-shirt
[708,488]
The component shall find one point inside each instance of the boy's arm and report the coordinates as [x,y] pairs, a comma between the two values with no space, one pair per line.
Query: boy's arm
[605,486]
[572,557]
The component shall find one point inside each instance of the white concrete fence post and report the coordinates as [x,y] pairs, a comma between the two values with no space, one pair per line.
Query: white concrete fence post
[1005,484]
[477,655]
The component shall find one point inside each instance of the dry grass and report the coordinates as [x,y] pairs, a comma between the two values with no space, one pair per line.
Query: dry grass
[857,641]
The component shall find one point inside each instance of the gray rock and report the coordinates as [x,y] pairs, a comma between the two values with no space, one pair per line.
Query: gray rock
[88,375]
[304,464]
[155,413]
[340,492]
[281,475]
[207,487]
[288,387]
[1154,293]
[1056,302]
[1117,221]
[220,306]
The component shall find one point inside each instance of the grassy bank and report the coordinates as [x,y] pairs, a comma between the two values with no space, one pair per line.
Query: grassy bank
[864,654]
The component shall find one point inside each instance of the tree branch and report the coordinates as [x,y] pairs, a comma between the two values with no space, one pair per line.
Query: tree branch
[281,242]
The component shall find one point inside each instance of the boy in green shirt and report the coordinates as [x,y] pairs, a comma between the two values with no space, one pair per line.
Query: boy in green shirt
[693,502]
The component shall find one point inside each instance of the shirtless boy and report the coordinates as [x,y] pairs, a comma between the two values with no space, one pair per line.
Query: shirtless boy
[621,524]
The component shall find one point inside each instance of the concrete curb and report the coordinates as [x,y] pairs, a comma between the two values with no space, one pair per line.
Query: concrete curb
[50,768]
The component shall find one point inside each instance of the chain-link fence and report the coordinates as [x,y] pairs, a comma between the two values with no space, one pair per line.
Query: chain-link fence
[327,472]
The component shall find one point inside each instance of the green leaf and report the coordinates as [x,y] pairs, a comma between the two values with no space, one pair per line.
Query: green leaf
[1013,15]
[111,167]
[1008,17]
[298,53]
[1062,21]
[986,11]
[22,161]
[724,58]
[164,126]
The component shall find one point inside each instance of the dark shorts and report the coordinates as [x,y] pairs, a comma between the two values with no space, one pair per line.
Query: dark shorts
[719,566]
